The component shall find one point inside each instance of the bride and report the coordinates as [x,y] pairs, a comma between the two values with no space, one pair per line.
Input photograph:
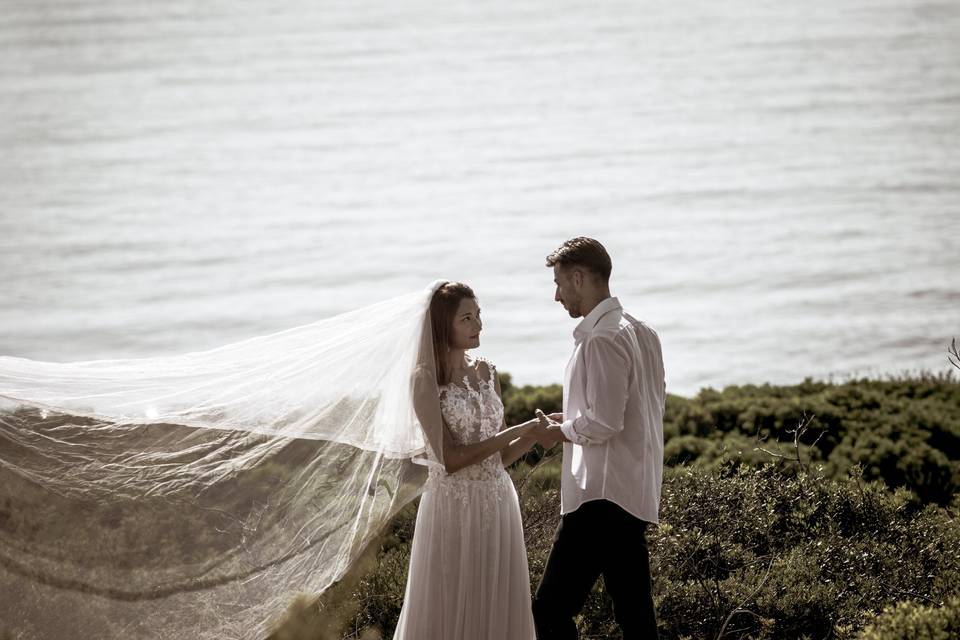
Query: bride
[468,573]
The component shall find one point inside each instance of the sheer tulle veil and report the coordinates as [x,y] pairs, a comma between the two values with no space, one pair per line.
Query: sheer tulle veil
[193,496]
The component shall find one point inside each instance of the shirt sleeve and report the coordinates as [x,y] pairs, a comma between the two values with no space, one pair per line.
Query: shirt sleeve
[607,375]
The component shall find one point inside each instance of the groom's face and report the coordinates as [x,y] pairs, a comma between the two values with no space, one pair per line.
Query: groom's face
[568,294]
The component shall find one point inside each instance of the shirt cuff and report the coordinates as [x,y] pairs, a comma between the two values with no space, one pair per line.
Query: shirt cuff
[567,429]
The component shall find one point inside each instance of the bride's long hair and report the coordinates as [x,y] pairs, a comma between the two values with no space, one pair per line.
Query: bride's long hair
[443,307]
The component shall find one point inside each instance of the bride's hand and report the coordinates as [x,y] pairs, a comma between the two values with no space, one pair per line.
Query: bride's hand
[528,429]
[546,430]
[533,428]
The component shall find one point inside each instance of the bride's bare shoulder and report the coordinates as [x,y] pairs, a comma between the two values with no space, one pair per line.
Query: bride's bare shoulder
[483,367]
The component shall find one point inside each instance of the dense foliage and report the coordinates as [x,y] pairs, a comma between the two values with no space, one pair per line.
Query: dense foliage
[745,553]
[904,432]
[815,510]
[912,621]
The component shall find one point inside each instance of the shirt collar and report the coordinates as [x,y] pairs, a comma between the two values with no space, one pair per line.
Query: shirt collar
[587,325]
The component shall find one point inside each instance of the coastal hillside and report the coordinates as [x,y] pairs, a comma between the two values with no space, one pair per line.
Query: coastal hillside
[813,510]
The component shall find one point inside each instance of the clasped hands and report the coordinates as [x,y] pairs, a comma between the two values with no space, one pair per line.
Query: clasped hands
[546,429]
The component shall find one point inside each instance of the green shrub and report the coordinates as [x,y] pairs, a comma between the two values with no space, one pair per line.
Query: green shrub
[905,432]
[799,555]
[909,620]
[752,552]
[752,545]
[379,593]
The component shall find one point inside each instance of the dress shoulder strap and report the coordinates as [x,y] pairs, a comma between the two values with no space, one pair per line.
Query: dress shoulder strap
[491,369]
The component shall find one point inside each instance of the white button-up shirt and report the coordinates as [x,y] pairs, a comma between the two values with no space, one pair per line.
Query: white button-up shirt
[613,400]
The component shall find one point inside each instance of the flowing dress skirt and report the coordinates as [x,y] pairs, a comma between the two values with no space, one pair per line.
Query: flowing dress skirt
[468,577]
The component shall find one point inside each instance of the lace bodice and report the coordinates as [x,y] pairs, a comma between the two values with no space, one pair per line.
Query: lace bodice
[473,414]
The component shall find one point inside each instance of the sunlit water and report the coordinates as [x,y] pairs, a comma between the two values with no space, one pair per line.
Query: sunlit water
[778,183]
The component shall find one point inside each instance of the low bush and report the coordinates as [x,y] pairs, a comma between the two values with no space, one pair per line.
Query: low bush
[914,621]
[845,529]
[742,552]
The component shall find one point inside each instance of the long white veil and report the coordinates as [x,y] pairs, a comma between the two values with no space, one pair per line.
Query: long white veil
[193,496]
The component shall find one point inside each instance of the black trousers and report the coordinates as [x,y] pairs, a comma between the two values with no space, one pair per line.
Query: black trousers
[599,538]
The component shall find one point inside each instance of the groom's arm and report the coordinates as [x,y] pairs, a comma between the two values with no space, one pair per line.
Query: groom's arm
[607,376]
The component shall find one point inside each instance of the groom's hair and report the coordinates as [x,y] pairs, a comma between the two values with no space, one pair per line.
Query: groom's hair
[443,307]
[586,253]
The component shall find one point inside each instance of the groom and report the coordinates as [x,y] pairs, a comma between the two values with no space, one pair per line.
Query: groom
[612,433]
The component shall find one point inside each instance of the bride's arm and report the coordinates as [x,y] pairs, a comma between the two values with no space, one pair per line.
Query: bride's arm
[456,457]
[518,446]
[511,442]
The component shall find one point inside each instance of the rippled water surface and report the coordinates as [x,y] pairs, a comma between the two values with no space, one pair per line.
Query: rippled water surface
[779,185]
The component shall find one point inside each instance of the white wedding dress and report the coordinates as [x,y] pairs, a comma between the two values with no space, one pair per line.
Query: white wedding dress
[468,577]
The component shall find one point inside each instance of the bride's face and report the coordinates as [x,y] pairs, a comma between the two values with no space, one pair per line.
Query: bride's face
[465,333]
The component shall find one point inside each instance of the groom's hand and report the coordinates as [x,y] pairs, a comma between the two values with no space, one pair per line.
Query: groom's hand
[547,432]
